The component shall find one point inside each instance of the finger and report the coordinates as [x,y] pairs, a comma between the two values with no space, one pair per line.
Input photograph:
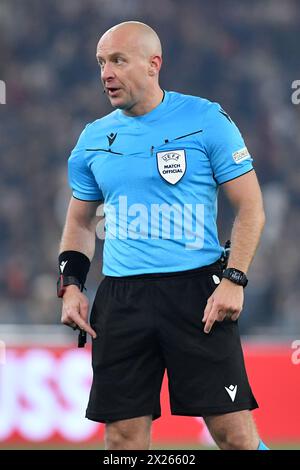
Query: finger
[221,315]
[210,320]
[84,309]
[71,317]
[67,318]
[71,325]
[84,325]
[207,309]
[209,324]
[235,316]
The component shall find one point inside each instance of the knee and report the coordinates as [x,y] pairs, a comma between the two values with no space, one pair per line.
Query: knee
[120,436]
[233,440]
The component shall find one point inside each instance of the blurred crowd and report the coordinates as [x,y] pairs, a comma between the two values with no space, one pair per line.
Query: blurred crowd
[241,54]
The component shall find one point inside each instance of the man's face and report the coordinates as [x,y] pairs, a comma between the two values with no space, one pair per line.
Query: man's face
[124,69]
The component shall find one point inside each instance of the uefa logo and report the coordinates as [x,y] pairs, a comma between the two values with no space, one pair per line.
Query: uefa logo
[171,156]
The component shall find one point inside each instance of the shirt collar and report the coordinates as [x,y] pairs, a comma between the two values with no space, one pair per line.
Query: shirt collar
[153,115]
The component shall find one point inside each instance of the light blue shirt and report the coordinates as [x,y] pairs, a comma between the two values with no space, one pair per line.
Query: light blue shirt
[158,176]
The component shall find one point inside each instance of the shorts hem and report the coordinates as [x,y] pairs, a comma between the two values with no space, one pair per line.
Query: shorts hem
[214,410]
[114,417]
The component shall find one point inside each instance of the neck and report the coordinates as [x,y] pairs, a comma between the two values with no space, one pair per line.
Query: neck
[145,107]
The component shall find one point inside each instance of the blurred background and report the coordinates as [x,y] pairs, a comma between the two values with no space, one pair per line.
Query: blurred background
[243,55]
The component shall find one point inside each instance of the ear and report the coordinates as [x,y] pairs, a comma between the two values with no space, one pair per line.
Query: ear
[155,64]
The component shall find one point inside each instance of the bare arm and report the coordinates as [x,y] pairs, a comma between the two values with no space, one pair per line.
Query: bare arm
[245,195]
[78,235]
[80,227]
[227,299]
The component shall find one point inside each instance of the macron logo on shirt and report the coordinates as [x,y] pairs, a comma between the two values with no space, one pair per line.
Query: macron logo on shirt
[111,138]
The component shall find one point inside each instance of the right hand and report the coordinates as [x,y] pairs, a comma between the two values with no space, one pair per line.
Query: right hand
[75,310]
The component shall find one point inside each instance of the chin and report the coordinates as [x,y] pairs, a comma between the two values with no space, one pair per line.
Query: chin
[117,103]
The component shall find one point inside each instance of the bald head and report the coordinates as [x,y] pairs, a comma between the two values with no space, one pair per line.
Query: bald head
[138,35]
[130,58]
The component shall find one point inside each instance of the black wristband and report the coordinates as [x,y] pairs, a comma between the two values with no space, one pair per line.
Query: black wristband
[75,264]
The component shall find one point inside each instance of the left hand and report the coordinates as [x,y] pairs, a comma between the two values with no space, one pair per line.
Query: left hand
[226,301]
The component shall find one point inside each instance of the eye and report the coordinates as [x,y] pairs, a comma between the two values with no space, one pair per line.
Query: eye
[119,60]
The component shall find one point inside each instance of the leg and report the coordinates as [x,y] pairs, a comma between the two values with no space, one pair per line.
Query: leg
[233,431]
[129,434]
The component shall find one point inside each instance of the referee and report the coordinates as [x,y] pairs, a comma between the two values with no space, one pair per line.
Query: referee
[156,163]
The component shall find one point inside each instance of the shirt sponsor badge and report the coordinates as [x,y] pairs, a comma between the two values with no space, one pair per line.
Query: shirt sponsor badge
[171,165]
[240,155]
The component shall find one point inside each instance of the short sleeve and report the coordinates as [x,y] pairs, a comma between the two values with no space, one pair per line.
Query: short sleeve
[224,145]
[81,178]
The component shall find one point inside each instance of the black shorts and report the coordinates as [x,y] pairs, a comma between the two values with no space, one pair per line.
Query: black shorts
[147,324]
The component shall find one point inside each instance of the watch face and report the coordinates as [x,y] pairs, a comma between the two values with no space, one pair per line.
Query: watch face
[236,276]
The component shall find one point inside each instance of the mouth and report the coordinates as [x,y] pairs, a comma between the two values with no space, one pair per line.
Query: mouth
[112,91]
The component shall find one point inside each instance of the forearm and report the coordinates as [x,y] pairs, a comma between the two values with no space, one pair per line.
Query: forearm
[80,228]
[245,236]
[78,238]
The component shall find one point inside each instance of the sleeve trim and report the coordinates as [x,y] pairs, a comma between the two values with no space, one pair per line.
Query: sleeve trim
[87,200]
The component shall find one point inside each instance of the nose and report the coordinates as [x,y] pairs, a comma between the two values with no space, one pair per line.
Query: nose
[107,72]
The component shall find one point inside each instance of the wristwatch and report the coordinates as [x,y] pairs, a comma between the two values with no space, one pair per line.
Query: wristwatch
[236,276]
[64,281]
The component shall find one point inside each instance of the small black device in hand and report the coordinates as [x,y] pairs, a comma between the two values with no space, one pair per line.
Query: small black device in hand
[81,338]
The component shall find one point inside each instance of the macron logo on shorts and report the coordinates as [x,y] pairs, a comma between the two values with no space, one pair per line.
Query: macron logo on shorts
[62,266]
[231,390]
